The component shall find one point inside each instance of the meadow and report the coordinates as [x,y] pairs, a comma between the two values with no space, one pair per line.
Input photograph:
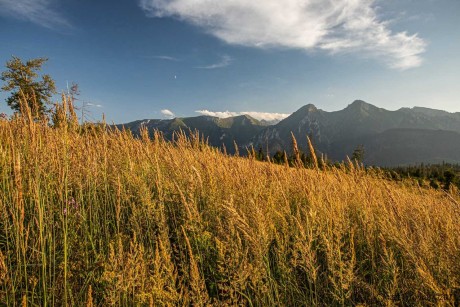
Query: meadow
[94,216]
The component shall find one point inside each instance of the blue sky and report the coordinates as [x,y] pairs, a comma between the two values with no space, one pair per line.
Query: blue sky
[136,58]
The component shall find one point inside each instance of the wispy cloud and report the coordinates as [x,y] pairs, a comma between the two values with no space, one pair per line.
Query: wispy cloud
[167,113]
[163,57]
[257,115]
[333,26]
[94,105]
[41,12]
[225,61]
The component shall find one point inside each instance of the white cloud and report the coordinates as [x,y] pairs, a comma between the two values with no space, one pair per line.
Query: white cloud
[257,115]
[334,26]
[167,113]
[224,62]
[164,57]
[40,12]
[94,105]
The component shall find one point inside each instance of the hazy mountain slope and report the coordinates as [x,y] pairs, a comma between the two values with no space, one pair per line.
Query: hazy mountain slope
[409,146]
[389,137]
[402,147]
[218,131]
[338,133]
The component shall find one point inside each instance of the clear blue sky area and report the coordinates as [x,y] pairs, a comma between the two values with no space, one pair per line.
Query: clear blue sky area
[138,58]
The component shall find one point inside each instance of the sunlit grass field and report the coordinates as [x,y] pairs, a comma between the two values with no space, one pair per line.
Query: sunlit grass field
[93,216]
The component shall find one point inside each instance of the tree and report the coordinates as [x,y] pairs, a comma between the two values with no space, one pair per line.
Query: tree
[434,184]
[279,157]
[24,83]
[260,155]
[358,154]
[449,177]
[74,91]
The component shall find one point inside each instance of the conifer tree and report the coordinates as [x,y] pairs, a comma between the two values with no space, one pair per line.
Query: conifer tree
[25,84]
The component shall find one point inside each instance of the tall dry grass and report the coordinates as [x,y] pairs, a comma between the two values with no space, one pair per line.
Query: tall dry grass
[98,217]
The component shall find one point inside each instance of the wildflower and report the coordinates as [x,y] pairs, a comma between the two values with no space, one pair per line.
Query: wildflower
[72,206]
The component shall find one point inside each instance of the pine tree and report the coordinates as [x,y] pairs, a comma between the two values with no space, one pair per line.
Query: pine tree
[358,154]
[25,84]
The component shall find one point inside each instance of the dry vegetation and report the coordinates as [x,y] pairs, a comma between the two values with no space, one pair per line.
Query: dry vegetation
[98,217]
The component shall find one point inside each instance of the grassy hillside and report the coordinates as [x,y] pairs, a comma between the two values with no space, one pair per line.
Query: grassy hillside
[219,132]
[100,218]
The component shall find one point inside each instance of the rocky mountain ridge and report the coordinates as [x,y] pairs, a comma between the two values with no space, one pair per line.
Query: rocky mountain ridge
[406,136]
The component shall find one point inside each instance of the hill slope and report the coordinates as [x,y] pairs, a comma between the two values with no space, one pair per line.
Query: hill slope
[338,133]
[219,131]
[89,216]
[335,134]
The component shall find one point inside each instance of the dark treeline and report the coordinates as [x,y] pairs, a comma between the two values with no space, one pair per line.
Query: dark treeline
[437,176]
[281,157]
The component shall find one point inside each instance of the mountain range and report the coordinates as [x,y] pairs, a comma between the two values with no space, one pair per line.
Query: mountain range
[390,138]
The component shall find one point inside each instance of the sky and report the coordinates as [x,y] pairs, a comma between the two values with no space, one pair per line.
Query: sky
[142,59]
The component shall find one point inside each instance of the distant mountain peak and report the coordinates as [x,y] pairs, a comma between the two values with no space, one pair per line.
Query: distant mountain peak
[246,116]
[242,119]
[361,107]
[406,135]
[361,104]
[309,108]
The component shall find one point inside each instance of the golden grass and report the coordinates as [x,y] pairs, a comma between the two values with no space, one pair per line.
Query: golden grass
[102,218]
